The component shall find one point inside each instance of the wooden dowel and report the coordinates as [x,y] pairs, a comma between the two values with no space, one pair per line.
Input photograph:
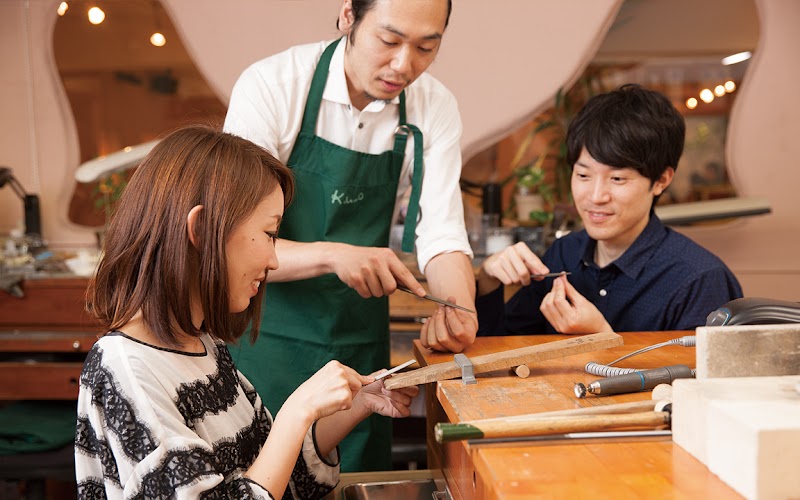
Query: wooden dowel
[554,425]
[522,371]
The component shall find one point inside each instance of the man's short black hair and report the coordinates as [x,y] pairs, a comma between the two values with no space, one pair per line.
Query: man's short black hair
[361,7]
[631,127]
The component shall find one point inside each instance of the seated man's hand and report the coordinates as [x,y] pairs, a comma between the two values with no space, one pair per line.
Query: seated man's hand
[569,311]
[449,329]
[373,271]
[511,266]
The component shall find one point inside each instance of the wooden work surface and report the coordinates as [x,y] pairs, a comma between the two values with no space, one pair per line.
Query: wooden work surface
[650,467]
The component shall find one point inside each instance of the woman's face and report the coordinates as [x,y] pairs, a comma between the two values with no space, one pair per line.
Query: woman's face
[250,251]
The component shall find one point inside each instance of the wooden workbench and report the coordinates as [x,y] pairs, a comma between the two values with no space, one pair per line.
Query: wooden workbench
[651,467]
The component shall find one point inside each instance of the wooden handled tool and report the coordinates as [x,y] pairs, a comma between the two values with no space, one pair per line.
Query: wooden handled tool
[611,409]
[507,428]
[507,359]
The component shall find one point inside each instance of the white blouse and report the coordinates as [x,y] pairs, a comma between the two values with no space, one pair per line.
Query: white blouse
[159,423]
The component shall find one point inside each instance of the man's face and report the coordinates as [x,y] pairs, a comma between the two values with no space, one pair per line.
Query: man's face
[614,203]
[395,42]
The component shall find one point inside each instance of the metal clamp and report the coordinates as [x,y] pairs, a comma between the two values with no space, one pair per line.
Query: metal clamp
[467,370]
[402,129]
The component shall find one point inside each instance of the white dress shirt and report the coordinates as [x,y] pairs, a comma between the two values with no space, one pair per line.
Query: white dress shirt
[267,107]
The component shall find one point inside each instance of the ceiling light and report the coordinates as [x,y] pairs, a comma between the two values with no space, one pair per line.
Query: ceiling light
[158,39]
[719,91]
[736,58]
[706,95]
[691,103]
[62,8]
[96,15]
[730,86]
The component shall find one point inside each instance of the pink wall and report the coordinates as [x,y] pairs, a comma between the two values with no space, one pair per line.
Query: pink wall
[763,148]
[498,57]
[503,67]
[37,133]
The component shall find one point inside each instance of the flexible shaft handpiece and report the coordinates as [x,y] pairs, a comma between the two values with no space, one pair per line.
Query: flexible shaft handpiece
[634,382]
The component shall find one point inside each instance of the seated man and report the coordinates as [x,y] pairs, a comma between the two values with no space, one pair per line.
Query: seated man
[628,271]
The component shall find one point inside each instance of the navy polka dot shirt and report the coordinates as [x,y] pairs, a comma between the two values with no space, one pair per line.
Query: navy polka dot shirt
[664,281]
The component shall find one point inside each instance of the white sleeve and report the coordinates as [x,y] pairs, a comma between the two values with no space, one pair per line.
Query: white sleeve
[441,227]
[252,112]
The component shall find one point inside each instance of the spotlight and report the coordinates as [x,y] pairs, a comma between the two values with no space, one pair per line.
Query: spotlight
[96,15]
[158,39]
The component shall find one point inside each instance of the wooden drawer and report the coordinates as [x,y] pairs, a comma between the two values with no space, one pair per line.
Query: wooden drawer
[47,302]
[46,341]
[39,380]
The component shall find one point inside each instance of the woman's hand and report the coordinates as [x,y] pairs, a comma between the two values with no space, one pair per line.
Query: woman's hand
[328,391]
[376,398]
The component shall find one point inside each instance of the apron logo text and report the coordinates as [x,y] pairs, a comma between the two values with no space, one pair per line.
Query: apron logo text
[341,199]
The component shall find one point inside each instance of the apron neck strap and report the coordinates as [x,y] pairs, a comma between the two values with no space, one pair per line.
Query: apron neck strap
[401,134]
[314,99]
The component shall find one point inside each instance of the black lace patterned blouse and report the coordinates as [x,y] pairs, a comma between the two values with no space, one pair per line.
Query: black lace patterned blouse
[158,423]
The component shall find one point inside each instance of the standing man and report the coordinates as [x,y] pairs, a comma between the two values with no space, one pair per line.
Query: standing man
[628,271]
[357,119]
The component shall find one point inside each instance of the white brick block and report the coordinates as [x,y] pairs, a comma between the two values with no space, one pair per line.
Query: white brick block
[748,351]
[754,446]
[746,430]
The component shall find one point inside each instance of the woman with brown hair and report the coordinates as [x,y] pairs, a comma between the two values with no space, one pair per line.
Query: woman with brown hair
[162,411]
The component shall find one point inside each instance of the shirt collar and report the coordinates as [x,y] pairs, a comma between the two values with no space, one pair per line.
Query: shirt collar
[637,255]
[336,86]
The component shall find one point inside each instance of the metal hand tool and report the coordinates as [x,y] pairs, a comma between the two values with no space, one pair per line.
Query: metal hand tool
[435,299]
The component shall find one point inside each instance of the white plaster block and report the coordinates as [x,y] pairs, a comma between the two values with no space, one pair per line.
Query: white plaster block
[691,398]
[748,351]
[754,446]
[689,417]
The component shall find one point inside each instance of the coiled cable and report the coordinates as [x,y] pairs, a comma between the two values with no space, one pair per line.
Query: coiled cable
[607,370]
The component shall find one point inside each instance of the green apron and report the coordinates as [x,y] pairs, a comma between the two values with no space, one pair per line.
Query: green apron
[342,196]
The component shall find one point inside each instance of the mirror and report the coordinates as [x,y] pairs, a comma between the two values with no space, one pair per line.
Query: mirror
[123,90]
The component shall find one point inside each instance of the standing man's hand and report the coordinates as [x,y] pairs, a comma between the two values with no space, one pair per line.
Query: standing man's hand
[449,329]
[372,271]
[451,277]
[569,311]
[511,266]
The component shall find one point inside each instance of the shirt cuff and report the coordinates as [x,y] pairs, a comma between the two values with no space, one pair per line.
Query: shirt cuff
[324,469]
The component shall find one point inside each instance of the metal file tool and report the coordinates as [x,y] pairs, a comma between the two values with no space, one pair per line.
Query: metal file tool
[395,369]
[435,299]
[551,275]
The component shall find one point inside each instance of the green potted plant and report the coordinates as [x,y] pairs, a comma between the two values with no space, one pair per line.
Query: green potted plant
[107,193]
[531,178]
[533,194]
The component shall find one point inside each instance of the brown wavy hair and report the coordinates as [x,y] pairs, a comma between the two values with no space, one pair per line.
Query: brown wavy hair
[149,263]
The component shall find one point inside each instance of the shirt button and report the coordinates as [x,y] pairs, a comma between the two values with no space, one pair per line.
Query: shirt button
[603,292]
[360,125]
